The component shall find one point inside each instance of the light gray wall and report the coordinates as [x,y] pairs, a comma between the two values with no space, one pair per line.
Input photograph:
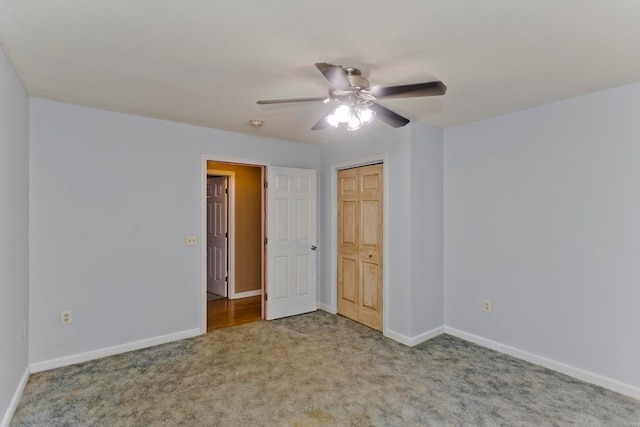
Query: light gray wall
[427,227]
[14,232]
[542,216]
[413,218]
[375,145]
[112,198]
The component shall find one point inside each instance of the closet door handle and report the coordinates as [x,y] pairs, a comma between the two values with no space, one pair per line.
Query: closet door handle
[313,248]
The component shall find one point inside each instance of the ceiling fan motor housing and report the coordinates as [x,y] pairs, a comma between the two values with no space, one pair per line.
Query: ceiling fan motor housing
[355,78]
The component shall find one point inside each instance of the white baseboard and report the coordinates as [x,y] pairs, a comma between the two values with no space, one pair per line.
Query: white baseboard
[111,351]
[6,419]
[590,377]
[246,294]
[413,341]
[326,308]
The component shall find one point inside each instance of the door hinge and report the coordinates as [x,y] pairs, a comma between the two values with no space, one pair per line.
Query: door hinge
[266,297]
[266,240]
[226,191]
[226,278]
[266,184]
[226,234]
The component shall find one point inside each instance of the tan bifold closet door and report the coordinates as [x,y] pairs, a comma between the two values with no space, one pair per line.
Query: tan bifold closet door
[360,244]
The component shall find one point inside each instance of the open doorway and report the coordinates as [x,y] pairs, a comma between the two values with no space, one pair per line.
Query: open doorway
[234,243]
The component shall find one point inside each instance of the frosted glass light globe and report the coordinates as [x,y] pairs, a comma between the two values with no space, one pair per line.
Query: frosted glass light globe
[333,120]
[343,113]
[366,115]
[354,123]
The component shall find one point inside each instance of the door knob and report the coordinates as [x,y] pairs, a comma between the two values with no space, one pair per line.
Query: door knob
[370,255]
[313,248]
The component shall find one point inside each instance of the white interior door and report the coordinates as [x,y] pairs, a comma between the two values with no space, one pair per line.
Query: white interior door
[291,233]
[217,235]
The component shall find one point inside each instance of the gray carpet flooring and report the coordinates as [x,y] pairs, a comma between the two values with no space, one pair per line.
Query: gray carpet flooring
[315,370]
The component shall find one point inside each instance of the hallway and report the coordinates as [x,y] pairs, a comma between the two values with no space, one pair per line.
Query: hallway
[224,312]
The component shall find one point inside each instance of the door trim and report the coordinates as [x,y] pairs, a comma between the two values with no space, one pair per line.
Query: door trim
[364,161]
[203,226]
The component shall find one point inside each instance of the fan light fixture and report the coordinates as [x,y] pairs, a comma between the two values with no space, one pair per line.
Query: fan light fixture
[355,112]
[357,104]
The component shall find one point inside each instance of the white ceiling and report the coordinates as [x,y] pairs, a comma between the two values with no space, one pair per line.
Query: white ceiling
[208,62]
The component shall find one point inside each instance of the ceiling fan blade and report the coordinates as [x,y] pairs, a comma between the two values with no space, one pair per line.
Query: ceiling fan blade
[335,74]
[322,124]
[283,101]
[409,91]
[388,116]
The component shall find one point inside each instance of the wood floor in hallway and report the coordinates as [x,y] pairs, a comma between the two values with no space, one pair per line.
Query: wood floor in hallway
[224,312]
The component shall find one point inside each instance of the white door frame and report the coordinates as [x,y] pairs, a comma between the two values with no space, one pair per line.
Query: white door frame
[231,235]
[203,226]
[384,158]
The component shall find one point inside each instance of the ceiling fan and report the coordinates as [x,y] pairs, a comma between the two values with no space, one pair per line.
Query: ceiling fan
[356,99]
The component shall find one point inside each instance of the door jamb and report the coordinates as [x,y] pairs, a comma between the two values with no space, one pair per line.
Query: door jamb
[365,161]
[203,226]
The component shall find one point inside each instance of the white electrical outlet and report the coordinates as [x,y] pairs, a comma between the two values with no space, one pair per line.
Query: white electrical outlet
[65,317]
[191,240]
[486,306]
